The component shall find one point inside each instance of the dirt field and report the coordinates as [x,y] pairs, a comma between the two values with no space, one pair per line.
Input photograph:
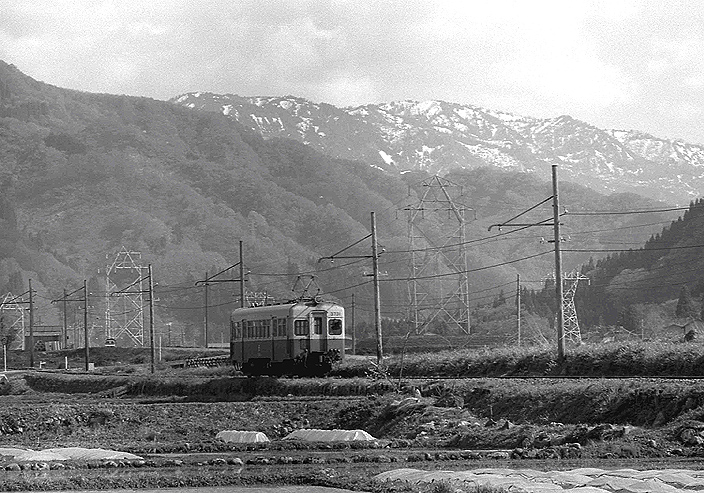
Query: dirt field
[426,426]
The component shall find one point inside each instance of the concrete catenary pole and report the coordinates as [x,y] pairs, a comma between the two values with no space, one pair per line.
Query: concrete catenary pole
[151,318]
[205,327]
[64,332]
[241,276]
[354,334]
[518,307]
[560,322]
[86,339]
[31,326]
[377,296]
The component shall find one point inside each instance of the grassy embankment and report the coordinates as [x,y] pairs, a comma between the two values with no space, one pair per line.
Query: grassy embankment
[642,402]
[650,358]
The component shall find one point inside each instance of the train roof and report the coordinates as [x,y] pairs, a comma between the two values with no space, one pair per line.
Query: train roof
[284,307]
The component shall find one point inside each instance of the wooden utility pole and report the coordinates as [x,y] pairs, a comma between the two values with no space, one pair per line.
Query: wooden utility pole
[518,307]
[31,325]
[354,341]
[560,322]
[377,296]
[205,329]
[151,316]
[64,332]
[86,339]
[241,276]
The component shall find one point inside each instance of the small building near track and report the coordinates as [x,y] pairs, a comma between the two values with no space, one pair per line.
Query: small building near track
[46,337]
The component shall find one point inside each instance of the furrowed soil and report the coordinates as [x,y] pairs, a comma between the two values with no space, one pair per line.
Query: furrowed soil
[171,422]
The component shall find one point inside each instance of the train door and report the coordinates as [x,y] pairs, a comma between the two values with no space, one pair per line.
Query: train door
[319,335]
[290,351]
[236,341]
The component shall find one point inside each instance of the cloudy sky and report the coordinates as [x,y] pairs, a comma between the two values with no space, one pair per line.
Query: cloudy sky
[613,63]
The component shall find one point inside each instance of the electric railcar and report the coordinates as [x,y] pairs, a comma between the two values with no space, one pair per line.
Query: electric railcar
[296,338]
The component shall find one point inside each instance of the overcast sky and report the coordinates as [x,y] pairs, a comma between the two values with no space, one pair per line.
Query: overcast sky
[612,63]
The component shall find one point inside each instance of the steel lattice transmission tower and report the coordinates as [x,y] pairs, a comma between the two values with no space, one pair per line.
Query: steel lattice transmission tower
[124,314]
[10,305]
[571,323]
[437,255]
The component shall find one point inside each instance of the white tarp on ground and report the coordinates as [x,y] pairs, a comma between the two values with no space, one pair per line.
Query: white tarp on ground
[242,436]
[330,435]
[594,480]
[70,453]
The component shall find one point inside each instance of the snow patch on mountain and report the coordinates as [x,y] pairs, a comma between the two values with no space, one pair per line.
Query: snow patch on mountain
[387,159]
[439,137]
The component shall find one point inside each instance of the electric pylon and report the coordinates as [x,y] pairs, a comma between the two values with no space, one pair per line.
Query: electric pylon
[11,306]
[124,314]
[571,323]
[437,256]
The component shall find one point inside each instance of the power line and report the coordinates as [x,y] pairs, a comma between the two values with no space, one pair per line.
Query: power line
[199,307]
[349,287]
[334,267]
[619,228]
[475,269]
[644,249]
[618,213]
[468,242]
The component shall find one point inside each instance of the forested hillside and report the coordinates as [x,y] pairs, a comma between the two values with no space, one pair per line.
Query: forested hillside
[84,175]
[624,282]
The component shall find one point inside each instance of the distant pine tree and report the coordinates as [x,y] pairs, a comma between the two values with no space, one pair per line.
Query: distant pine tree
[686,306]
[7,334]
[630,317]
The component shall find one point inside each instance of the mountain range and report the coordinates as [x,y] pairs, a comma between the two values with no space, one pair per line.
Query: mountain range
[83,176]
[438,137]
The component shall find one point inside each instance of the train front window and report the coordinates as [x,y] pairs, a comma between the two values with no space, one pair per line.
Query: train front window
[318,325]
[300,327]
[335,327]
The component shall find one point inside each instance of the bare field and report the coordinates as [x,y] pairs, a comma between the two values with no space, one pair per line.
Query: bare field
[458,425]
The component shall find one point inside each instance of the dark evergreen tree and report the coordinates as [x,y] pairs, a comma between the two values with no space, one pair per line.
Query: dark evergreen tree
[630,318]
[7,334]
[15,283]
[292,271]
[686,306]
[500,299]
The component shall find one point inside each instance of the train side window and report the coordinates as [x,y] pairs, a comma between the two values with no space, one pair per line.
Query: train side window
[235,331]
[266,328]
[335,327]
[250,329]
[280,327]
[300,327]
[318,325]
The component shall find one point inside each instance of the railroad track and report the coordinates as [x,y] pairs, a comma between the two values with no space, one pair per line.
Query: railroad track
[550,377]
[217,361]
